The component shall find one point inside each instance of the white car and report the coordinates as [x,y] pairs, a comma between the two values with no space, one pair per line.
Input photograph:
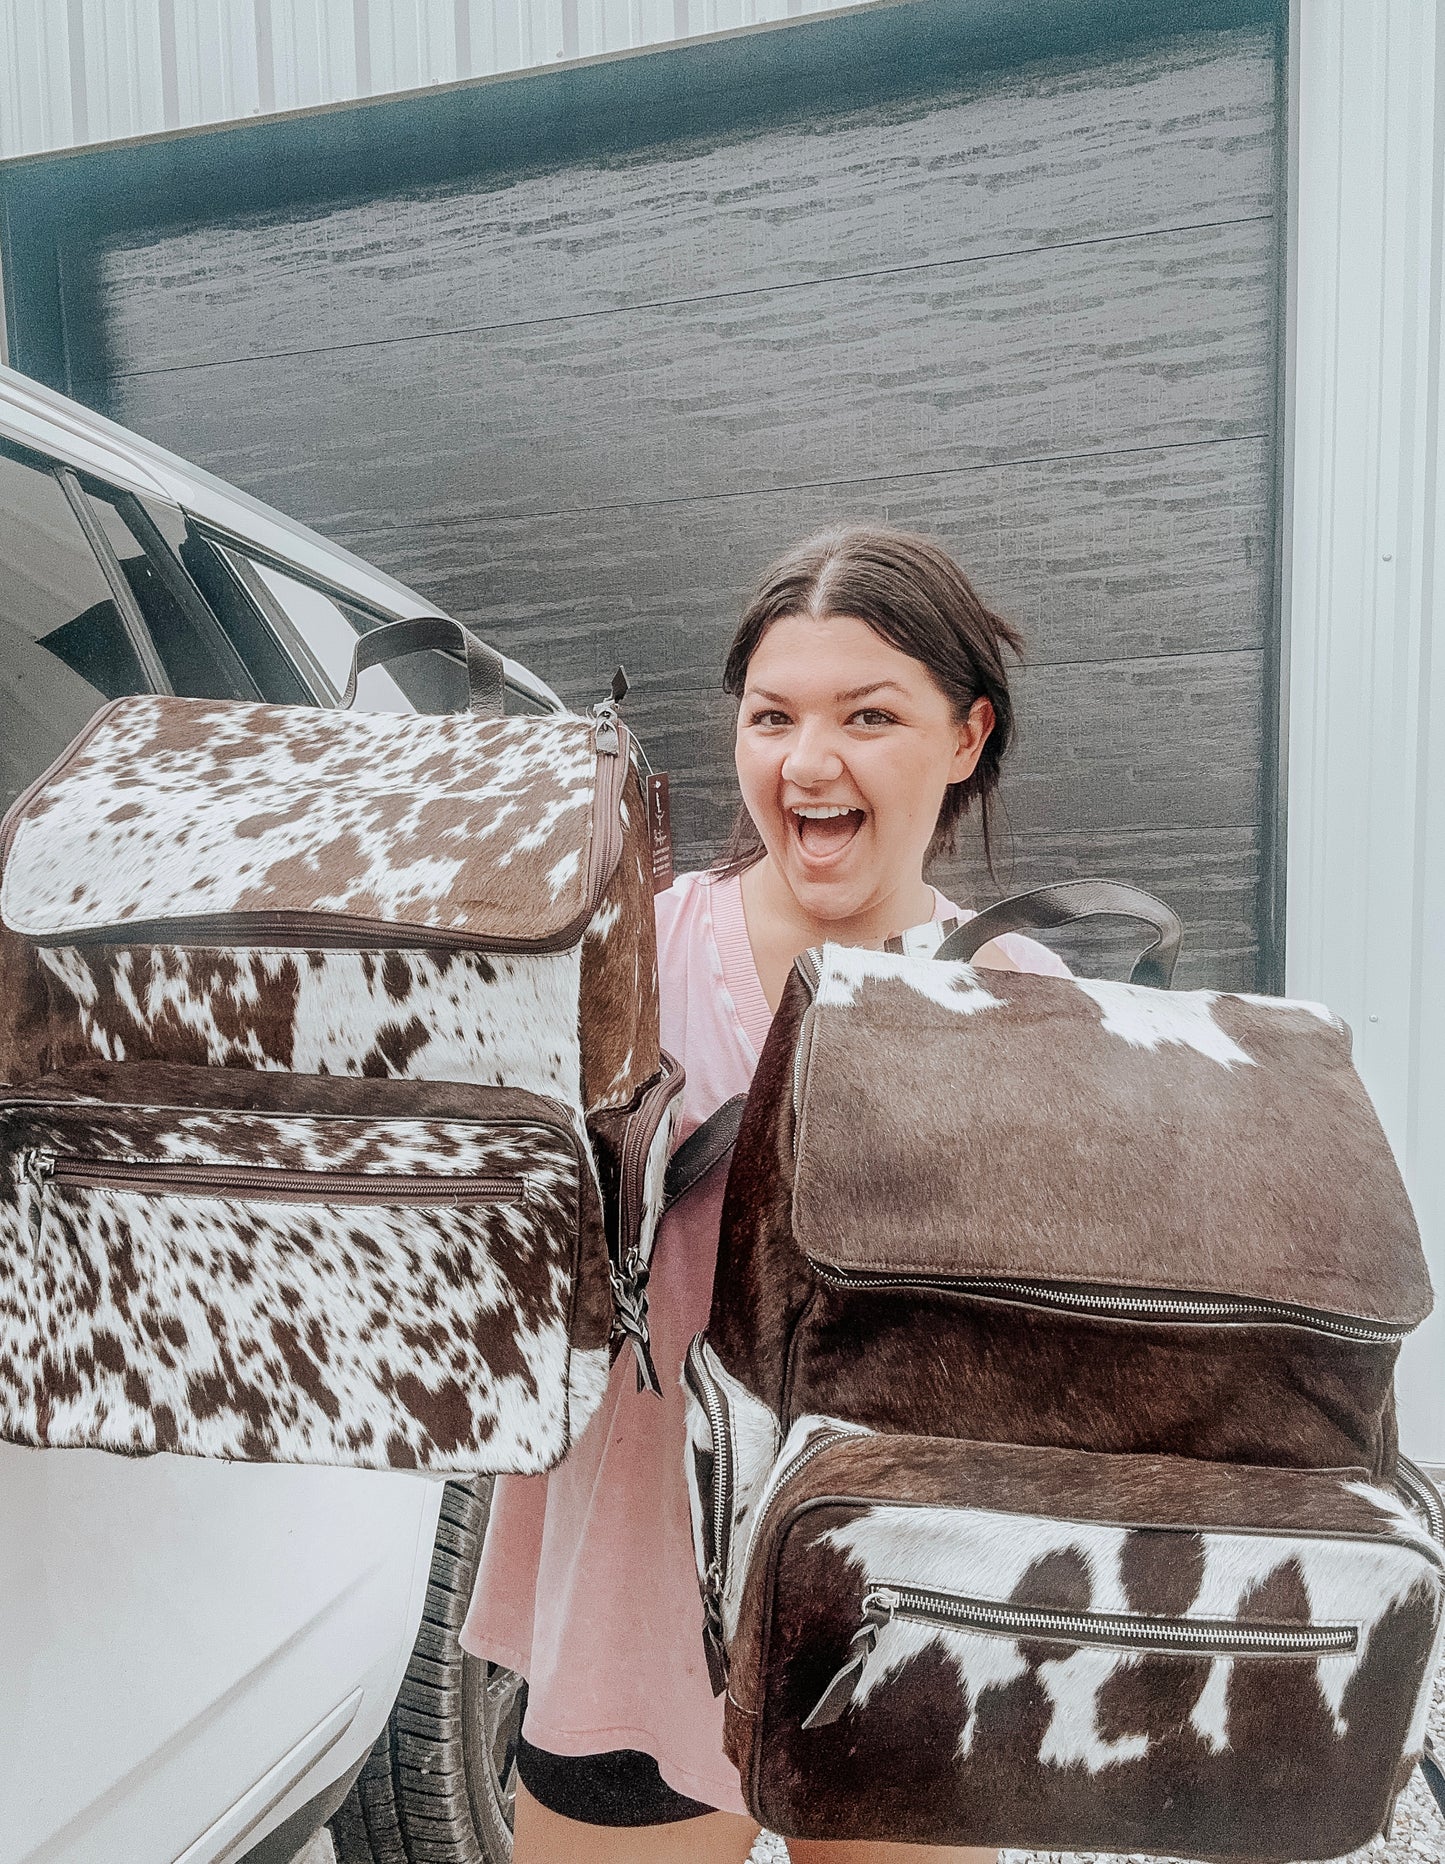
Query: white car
[204,1661]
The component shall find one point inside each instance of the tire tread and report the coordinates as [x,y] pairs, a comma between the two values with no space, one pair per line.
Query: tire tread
[410,1803]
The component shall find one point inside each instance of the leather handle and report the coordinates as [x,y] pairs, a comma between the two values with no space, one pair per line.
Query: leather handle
[486,670]
[1078,899]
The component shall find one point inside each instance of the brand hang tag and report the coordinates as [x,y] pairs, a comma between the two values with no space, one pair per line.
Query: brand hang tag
[659,829]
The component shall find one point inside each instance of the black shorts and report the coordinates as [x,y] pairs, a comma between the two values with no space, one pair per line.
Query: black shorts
[622,1787]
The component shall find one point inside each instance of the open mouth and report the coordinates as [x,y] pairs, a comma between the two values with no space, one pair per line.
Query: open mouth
[825,829]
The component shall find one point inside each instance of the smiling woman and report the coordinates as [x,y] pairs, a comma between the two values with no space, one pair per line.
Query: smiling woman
[874,710]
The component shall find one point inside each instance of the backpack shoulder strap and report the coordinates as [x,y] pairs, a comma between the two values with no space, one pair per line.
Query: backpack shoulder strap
[702,1149]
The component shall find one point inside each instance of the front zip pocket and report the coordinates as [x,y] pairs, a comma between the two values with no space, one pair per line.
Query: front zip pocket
[43,1166]
[1124,1631]
[943,1642]
[283,1268]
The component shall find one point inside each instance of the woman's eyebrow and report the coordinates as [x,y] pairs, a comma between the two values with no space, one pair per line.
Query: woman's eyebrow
[862,692]
[858,692]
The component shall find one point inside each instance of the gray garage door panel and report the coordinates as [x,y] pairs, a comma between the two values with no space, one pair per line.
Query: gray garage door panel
[960,175]
[1146,341]
[1104,557]
[1033,313]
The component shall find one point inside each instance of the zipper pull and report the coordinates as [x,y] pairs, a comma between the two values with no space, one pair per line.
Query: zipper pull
[878,1608]
[629,1301]
[609,741]
[37,1168]
[713,1646]
[37,1164]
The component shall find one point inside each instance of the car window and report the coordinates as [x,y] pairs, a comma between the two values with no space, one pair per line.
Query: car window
[199,660]
[269,660]
[325,626]
[329,628]
[64,646]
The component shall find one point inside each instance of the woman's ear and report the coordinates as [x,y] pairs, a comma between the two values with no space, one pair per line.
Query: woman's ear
[972,736]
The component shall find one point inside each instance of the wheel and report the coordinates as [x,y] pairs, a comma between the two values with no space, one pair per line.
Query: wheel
[438,1786]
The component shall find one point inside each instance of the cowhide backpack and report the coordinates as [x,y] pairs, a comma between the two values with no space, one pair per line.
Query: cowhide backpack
[1042,1440]
[333,1117]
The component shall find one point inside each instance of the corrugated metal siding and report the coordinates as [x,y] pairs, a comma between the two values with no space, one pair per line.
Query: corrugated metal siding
[88,71]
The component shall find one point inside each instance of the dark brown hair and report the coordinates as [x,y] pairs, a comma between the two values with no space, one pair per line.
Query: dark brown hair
[910,591]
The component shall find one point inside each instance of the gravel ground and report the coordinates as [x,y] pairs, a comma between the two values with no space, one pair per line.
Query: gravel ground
[1418,1836]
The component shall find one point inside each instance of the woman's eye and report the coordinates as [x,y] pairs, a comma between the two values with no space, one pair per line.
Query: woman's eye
[769,716]
[874,715]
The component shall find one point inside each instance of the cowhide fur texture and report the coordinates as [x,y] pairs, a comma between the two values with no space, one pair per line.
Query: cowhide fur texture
[953,1125]
[202,809]
[954,1735]
[498,879]
[441,823]
[306,1323]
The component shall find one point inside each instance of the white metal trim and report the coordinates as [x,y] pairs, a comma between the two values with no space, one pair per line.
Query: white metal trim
[1362,529]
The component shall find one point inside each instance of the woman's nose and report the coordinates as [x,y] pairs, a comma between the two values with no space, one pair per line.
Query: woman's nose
[812,758]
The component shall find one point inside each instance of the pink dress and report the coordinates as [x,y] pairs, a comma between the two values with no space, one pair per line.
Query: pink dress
[587,1585]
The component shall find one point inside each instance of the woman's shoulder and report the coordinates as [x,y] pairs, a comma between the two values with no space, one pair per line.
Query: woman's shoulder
[683,912]
[686,897]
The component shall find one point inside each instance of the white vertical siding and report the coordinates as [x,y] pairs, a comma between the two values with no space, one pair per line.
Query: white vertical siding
[84,71]
[1364,557]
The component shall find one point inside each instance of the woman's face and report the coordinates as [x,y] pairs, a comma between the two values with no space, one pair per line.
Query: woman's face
[845,746]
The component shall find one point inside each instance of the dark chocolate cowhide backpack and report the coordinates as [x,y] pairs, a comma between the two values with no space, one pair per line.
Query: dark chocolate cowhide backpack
[332,1113]
[1042,1439]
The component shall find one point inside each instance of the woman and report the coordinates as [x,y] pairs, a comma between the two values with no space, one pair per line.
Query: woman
[873,713]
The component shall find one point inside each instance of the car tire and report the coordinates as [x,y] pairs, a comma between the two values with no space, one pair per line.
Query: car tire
[437,1787]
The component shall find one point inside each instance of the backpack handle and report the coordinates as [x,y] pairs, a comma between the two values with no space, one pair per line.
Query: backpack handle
[1078,899]
[486,670]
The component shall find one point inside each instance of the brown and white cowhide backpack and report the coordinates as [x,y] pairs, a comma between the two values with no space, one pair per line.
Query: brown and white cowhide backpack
[333,1117]
[1042,1440]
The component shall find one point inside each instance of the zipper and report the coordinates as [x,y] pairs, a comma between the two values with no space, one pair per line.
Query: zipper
[1421,1493]
[700,1383]
[159,1178]
[1121,1305]
[1206,1637]
[810,970]
[799,1461]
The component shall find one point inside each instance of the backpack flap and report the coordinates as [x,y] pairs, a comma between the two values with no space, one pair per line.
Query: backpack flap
[187,821]
[1101,1143]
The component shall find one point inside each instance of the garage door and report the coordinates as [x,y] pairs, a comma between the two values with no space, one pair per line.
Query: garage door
[583,400]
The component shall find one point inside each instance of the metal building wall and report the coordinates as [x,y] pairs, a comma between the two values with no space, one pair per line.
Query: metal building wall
[87,71]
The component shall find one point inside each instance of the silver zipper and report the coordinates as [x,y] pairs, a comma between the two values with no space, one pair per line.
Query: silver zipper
[1125,1306]
[714,1580]
[1215,1637]
[1106,1630]
[703,1389]
[814,1447]
[1418,1489]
